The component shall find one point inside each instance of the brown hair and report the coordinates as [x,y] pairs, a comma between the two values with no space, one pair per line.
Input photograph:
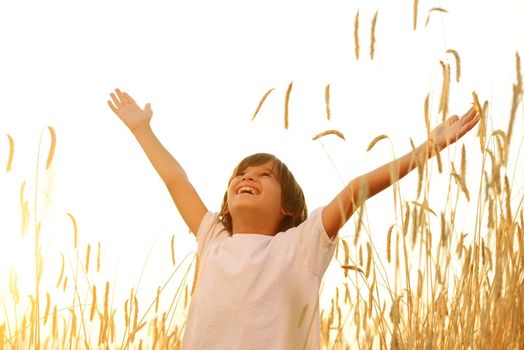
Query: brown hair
[293,201]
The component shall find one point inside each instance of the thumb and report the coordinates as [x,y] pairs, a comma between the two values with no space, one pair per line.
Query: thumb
[147,109]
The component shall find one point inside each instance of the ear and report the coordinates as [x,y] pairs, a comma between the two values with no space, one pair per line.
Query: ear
[286,213]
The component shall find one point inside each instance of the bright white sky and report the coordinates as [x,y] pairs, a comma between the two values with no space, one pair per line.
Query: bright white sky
[204,66]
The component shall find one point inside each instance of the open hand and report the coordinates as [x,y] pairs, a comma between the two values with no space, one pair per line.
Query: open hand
[128,111]
[453,129]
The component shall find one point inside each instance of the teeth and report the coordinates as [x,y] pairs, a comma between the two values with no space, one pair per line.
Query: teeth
[247,189]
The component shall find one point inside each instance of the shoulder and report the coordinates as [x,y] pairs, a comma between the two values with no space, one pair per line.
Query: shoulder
[313,228]
[209,227]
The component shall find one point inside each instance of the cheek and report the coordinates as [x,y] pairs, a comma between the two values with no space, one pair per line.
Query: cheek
[230,191]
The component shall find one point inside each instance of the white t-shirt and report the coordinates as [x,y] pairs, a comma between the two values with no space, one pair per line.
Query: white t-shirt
[256,291]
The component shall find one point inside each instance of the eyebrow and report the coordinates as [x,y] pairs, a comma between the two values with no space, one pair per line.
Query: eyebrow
[264,169]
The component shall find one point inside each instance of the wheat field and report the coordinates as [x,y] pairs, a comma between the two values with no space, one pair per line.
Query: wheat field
[466,292]
[432,280]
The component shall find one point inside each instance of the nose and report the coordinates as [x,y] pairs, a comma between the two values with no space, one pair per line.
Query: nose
[248,176]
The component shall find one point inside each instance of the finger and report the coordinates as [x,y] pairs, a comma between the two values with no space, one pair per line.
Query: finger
[453,119]
[115,99]
[128,98]
[469,115]
[120,95]
[473,122]
[468,126]
[112,106]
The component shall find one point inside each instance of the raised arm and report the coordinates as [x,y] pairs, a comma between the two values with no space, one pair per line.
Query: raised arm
[186,199]
[342,207]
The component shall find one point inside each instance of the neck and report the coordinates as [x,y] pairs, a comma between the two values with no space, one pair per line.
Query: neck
[252,224]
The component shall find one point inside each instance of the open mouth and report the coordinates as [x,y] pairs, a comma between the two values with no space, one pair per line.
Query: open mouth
[247,190]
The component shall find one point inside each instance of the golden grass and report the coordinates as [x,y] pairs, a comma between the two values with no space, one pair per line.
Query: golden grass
[75,230]
[457,63]
[482,123]
[173,250]
[355,35]
[434,9]
[373,39]
[93,304]
[516,97]
[52,145]
[286,105]
[261,103]
[61,271]
[415,14]
[326,99]
[375,141]
[444,95]
[426,115]
[11,153]
[88,254]
[24,211]
[98,259]
[443,283]
[388,242]
[329,132]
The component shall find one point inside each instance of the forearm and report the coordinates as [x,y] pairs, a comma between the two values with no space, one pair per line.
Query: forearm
[381,178]
[184,195]
[164,163]
[366,186]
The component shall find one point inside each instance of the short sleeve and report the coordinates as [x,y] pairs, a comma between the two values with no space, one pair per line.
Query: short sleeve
[316,248]
[209,228]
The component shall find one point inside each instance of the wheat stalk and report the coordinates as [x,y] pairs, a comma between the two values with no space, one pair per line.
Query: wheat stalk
[261,103]
[434,9]
[88,253]
[157,299]
[61,271]
[457,62]
[482,124]
[444,95]
[355,35]
[47,306]
[327,98]
[517,96]
[286,105]
[329,132]
[415,14]
[352,267]
[346,255]
[426,115]
[24,210]
[98,258]
[373,40]
[370,256]
[375,140]
[388,247]
[75,231]
[173,250]
[11,153]
[52,146]
[93,304]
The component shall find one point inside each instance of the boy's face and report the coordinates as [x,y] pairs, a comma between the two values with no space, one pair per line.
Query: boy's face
[256,189]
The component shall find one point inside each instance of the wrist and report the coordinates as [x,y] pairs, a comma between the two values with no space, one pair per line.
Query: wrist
[142,129]
[433,147]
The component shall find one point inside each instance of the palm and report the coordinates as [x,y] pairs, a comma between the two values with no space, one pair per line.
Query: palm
[453,129]
[128,111]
